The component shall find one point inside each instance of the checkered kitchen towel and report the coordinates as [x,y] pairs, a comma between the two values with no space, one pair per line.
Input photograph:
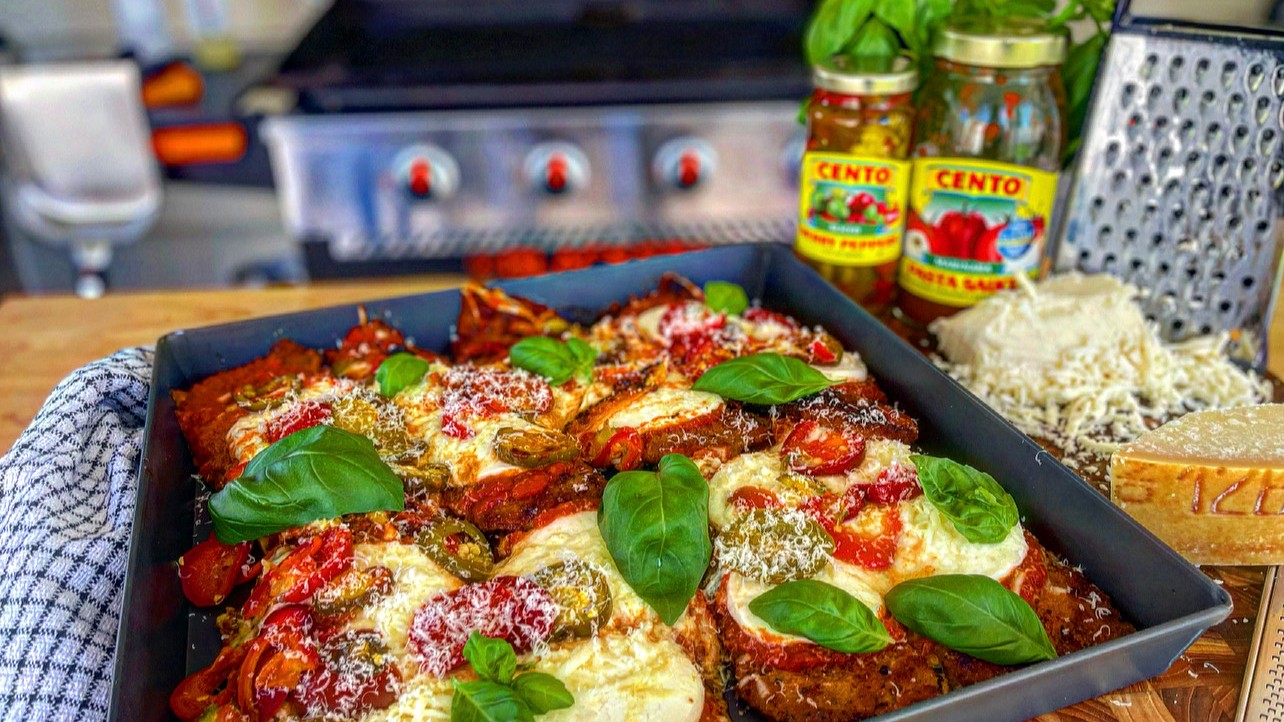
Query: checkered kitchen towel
[66,506]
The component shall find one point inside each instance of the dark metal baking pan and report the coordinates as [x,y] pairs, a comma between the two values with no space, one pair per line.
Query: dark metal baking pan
[162,638]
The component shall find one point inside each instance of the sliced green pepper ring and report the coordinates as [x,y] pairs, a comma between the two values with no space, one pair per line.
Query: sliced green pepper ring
[534,447]
[268,396]
[459,547]
[421,479]
[582,595]
[775,546]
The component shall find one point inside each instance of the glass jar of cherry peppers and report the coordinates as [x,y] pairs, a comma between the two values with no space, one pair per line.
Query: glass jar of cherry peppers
[988,140]
[855,178]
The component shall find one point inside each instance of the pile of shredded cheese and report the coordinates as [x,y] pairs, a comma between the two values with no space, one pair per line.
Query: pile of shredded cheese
[1073,361]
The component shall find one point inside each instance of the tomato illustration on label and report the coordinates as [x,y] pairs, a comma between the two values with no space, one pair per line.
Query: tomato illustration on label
[973,226]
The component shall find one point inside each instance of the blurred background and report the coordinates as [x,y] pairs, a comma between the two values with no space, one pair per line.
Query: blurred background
[287,140]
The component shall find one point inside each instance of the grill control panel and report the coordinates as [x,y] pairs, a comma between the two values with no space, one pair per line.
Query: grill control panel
[449,184]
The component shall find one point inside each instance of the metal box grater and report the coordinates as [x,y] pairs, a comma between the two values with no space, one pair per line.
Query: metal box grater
[1180,188]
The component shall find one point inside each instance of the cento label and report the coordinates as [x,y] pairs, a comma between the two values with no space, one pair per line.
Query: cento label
[973,226]
[852,209]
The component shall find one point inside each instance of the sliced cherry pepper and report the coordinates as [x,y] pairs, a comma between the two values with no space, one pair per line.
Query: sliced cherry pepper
[623,448]
[316,561]
[210,570]
[209,686]
[817,450]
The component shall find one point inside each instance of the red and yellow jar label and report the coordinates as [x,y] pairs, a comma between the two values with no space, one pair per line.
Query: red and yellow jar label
[852,210]
[973,226]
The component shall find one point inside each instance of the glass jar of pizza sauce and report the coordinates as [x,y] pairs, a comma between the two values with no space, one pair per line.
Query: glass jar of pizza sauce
[989,134]
[855,178]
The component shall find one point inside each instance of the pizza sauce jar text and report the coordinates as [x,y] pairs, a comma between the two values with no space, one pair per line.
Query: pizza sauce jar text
[988,140]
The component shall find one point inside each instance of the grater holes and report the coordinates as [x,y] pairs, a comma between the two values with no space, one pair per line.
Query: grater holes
[1206,101]
[1148,66]
[1146,180]
[1277,173]
[1277,82]
[1137,264]
[1225,306]
[1220,165]
[1131,236]
[1175,67]
[1256,74]
[1177,325]
[1234,224]
[1228,74]
[1214,134]
[1263,227]
[1201,69]
[1095,207]
[1252,197]
[1205,330]
[1178,212]
[1127,95]
[1108,262]
[1112,152]
[1134,125]
[1246,169]
[1248,282]
[1119,181]
[1187,131]
[1157,240]
[1085,256]
[1241,135]
[1194,161]
[1236,104]
[1123,207]
[1172,187]
[1263,110]
[1267,140]
[1164,268]
[1153,97]
[1180,97]
[1148,213]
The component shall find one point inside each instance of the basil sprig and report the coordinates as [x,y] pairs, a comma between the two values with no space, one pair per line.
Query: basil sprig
[317,473]
[555,360]
[972,614]
[496,695]
[399,371]
[972,500]
[763,378]
[724,297]
[822,613]
[656,526]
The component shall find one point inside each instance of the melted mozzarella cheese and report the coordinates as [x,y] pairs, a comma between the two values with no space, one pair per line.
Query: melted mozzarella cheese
[762,469]
[248,436]
[577,537]
[626,677]
[741,590]
[929,545]
[849,368]
[665,406]
[416,579]
[647,323]
[473,458]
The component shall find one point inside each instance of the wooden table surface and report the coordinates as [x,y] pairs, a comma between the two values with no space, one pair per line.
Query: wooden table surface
[46,337]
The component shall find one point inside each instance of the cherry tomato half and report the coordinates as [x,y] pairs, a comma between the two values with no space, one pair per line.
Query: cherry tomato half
[310,566]
[818,450]
[210,569]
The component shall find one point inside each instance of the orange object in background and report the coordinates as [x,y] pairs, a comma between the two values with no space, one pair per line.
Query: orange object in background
[175,84]
[194,144]
[525,261]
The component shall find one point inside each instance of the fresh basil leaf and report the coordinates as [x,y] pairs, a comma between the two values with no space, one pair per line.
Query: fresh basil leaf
[822,613]
[399,371]
[543,693]
[766,379]
[545,356]
[874,40]
[656,526]
[972,500]
[899,16]
[972,614]
[317,473]
[492,659]
[585,356]
[832,25]
[486,701]
[1079,74]
[723,297]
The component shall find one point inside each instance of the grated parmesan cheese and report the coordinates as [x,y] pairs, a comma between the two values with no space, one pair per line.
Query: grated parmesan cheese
[1073,361]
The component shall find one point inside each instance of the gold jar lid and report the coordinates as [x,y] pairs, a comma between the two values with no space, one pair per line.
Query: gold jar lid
[865,76]
[1012,43]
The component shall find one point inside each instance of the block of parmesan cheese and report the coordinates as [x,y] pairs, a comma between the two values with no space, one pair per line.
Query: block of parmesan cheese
[1210,484]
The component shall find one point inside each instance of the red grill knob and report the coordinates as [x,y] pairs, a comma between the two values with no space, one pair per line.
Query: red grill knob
[420,178]
[689,169]
[555,176]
